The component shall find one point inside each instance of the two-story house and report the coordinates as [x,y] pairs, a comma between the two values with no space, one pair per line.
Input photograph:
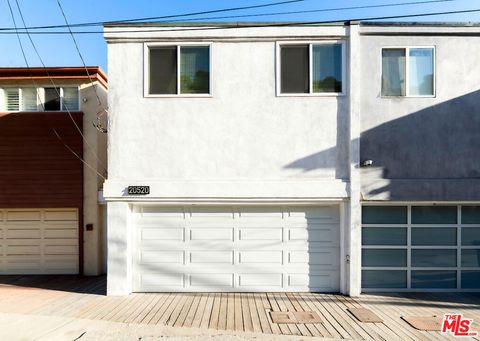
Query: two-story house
[52,160]
[280,157]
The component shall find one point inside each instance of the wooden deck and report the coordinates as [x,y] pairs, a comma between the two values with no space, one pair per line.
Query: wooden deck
[84,297]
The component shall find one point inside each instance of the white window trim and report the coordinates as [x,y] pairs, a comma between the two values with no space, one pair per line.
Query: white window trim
[408,247]
[178,45]
[61,98]
[40,98]
[279,44]
[407,77]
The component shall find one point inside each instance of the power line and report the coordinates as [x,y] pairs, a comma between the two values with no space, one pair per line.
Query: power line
[56,88]
[98,124]
[308,11]
[78,156]
[78,51]
[100,23]
[24,55]
[236,26]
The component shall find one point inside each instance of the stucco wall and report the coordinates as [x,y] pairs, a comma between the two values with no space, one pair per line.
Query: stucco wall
[422,148]
[243,137]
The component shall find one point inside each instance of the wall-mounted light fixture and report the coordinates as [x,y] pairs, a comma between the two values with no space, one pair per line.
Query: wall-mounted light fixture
[366,163]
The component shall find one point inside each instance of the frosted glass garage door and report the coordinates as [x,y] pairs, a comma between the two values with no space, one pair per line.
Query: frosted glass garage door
[236,249]
[421,248]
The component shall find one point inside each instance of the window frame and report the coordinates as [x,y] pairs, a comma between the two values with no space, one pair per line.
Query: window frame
[407,49]
[60,87]
[20,98]
[40,98]
[178,45]
[310,43]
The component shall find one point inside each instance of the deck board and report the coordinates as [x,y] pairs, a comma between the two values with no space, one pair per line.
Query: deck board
[83,297]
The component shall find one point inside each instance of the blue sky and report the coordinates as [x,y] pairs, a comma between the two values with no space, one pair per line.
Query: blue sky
[59,50]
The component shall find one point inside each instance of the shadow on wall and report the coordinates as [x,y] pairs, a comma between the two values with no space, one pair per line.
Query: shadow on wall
[335,158]
[431,154]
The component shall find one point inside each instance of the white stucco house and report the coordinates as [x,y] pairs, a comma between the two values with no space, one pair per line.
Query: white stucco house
[236,158]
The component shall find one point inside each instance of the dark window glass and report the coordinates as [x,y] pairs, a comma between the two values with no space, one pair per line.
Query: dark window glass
[384,279]
[52,99]
[434,279]
[384,236]
[384,257]
[470,279]
[434,236]
[384,214]
[434,215]
[434,258]
[470,236]
[163,70]
[470,214]
[327,68]
[471,258]
[195,70]
[294,72]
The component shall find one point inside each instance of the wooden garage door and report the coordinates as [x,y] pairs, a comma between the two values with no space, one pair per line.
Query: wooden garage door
[236,249]
[39,241]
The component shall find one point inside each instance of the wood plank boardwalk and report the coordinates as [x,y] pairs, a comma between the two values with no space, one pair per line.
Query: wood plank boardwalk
[84,298]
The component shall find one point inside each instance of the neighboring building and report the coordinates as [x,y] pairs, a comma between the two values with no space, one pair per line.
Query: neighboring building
[50,218]
[255,143]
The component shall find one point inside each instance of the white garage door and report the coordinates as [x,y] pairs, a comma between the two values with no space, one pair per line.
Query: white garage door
[43,241]
[236,249]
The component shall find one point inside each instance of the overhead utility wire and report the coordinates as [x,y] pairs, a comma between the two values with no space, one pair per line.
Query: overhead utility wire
[78,51]
[101,23]
[236,26]
[25,56]
[102,110]
[78,156]
[307,11]
[56,89]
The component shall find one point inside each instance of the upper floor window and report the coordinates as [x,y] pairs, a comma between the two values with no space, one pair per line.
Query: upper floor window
[38,99]
[408,71]
[315,68]
[178,70]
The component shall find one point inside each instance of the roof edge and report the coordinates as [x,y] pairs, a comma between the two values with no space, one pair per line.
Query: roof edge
[55,72]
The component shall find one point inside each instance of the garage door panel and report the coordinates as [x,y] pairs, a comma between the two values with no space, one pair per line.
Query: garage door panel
[167,233]
[55,233]
[39,241]
[209,281]
[236,249]
[253,257]
[327,234]
[21,233]
[211,257]
[327,257]
[260,233]
[324,281]
[22,215]
[61,215]
[174,257]
[255,280]
[23,250]
[61,250]
[172,281]
[224,234]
